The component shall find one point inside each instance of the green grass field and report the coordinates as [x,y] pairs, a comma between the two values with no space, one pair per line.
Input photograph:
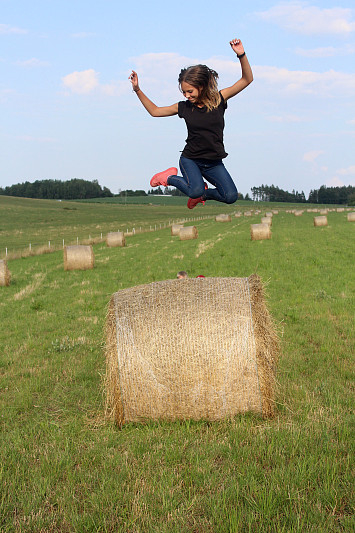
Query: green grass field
[65,469]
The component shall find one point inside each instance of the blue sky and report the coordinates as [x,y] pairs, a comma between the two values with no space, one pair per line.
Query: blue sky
[67,109]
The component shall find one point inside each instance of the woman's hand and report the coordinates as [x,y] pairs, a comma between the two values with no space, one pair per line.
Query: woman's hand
[237,46]
[133,78]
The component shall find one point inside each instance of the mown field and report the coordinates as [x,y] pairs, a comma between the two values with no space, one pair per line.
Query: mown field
[64,468]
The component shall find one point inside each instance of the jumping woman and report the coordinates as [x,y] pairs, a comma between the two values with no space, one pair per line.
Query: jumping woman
[203,111]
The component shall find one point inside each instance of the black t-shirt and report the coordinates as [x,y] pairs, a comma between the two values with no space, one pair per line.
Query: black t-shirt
[204,130]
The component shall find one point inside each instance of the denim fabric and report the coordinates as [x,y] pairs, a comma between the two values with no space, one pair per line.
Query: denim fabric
[191,182]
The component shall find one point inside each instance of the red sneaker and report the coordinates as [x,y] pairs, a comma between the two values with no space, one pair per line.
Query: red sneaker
[192,202]
[162,177]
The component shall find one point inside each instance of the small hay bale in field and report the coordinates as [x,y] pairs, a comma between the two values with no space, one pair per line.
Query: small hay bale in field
[78,257]
[260,232]
[238,214]
[351,216]
[340,209]
[247,213]
[275,212]
[266,220]
[115,238]
[175,229]
[269,214]
[5,276]
[202,349]
[298,212]
[323,211]
[223,218]
[187,233]
[320,221]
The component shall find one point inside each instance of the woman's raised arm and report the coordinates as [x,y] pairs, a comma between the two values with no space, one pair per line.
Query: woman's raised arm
[247,74]
[152,109]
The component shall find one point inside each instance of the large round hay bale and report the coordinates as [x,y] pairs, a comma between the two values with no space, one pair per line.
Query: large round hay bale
[223,218]
[5,276]
[78,257]
[351,216]
[266,220]
[115,238]
[187,233]
[259,232]
[202,349]
[320,221]
[175,229]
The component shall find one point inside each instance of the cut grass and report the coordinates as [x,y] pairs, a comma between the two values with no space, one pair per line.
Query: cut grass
[63,468]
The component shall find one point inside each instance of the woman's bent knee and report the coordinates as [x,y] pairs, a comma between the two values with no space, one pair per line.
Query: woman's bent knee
[231,197]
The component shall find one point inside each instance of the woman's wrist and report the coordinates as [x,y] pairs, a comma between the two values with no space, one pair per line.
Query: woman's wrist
[239,56]
[136,90]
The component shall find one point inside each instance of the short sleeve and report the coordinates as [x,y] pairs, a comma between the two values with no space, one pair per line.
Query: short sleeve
[181,109]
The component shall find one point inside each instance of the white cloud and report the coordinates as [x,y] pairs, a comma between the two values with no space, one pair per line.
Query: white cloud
[82,82]
[33,62]
[5,29]
[330,83]
[335,182]
[347,171]
[312,155]
[87,81]
[326,51]
[301,17]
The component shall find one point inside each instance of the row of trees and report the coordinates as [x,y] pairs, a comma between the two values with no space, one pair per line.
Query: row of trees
[74,189]
[323,195]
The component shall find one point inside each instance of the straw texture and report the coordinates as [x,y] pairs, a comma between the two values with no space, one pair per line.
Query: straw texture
[78,257]
[351,216]
[223,218]
[115,238]
[175,229]
[5,276]
[266,220]
[259,232]
[187,233]
[320,221]
[202,349]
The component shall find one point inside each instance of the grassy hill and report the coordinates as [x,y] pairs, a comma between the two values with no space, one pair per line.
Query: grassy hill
[64,468]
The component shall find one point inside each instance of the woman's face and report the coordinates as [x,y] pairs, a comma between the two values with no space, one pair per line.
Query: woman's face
[190,92]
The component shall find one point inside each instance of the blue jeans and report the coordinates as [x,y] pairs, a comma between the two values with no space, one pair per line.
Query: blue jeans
[191,183]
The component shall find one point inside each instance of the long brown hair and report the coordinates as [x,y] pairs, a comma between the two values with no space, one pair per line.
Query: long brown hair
[205,79]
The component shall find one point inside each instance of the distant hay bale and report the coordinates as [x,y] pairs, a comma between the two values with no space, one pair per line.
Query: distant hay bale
[247,213]
[223,218]
[175,229]
[115,238]
[238,214]
[298,212]
[187,233]
[5,276]
[351,216]
[323,211]
[217,357]
[340,209]
[259,232]
[275,212]
[78,257]
[320,221]
[266,220]
[269,214]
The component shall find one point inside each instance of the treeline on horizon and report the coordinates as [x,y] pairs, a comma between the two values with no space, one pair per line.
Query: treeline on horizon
[80,189]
